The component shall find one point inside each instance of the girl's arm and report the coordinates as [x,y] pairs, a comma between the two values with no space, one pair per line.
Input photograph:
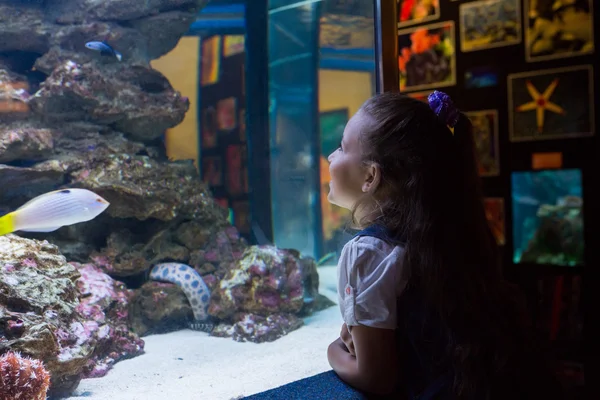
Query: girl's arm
[375,367]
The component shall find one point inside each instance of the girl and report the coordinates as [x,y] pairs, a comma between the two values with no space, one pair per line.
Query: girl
[427,313]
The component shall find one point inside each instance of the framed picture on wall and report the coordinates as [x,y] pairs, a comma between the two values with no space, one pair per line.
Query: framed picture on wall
[427,56]
[235,182]
[486,24]
[233,44]
[211,60]
[241,213]
[481,77]
[227,114]
[412,12]
[212,171]
[485,135]
[558,29]
[209,128]
[551,104]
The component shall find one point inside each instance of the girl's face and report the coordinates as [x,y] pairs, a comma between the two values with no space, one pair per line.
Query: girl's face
[349,177]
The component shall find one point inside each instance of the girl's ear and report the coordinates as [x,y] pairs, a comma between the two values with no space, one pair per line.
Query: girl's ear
[372,177]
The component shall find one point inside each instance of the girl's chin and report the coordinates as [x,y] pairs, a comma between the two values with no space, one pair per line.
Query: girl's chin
[332,200]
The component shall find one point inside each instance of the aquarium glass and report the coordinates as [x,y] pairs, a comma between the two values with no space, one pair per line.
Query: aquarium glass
[547,217]
[164,225]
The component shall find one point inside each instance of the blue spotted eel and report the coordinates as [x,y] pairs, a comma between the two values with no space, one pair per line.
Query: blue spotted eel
[194,288]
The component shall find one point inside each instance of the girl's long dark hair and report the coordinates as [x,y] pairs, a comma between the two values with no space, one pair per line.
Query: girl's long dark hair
[431,194]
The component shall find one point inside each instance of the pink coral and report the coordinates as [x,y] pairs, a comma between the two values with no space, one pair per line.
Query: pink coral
[22,378]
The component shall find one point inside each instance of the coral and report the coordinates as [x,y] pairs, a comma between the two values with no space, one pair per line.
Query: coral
[22,378]
[105,307]
[249,327]
[24,141]
[142,188]
[159,307]
[264,281]
[72,317]
[83,92]
[189,281]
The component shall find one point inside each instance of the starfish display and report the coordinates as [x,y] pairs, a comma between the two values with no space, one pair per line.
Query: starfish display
[541,103]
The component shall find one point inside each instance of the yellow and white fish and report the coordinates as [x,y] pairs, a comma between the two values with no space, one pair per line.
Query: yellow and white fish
[51,211]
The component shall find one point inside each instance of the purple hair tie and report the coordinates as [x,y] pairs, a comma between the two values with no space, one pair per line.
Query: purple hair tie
[444,108]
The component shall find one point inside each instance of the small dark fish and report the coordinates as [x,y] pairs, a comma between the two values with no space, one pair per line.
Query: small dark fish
[104,48]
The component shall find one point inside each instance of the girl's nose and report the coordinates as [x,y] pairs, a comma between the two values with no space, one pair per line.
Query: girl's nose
[330,157]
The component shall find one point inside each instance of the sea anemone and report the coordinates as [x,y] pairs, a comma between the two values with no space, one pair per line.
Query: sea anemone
[22,378]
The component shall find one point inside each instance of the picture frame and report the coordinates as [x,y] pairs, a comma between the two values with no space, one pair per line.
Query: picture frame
[433,45]
[573,25]
[565,95]
[485,135]
[209,128]
[425,12]
[474,37]
[235,183]
[227,114]
[211,60]
[212,170]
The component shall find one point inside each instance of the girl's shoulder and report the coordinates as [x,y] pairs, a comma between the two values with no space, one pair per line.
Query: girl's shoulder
[371,247]
[372,242]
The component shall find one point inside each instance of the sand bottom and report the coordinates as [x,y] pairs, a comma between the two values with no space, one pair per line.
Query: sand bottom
[189,365]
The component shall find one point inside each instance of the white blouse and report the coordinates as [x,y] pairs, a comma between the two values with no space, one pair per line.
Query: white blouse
[369,281]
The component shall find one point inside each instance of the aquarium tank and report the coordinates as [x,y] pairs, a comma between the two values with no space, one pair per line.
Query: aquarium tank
[164,225]
[547,212]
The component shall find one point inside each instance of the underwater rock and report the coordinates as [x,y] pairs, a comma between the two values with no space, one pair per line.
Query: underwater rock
[141,187]
[23,29]
[89,141]
[122,256]
[71,39]
[70,316]
[163,31]
[193,235]
[222,249]
[249,327]
[35,277]
[129,254]
[159,307]
[38,293]
[266,280]
[84,92]
[105,306]
[29,182]
[25,141]
[73,11]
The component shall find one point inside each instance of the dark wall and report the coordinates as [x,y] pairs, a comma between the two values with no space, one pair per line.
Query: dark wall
[552,289]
